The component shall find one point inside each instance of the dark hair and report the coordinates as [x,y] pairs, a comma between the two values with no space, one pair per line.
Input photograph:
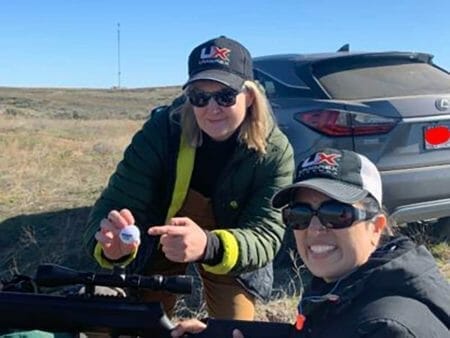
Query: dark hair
[370,204]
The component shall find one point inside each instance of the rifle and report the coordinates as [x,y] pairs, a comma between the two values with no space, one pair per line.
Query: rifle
[111,315]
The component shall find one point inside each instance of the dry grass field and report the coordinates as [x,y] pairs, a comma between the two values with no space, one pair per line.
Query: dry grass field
[83,103]
[58,148]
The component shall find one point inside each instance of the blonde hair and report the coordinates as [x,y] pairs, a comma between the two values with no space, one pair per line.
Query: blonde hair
[254,130]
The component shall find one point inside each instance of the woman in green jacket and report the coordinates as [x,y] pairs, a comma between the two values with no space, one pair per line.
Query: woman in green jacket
[197,180]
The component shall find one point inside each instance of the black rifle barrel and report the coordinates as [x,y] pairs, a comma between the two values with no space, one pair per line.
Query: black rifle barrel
[51,275]
[68,314]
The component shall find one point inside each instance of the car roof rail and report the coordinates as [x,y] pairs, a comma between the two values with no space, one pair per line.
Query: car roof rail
[344,48]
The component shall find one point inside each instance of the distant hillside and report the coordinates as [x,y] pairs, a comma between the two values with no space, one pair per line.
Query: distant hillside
[83,103]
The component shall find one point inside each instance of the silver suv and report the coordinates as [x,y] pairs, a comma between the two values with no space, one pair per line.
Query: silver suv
[394,107]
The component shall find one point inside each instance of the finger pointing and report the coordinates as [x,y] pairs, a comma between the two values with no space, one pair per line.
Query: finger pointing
[166,230]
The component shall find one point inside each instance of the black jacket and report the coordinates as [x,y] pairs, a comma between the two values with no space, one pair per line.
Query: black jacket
[399,292]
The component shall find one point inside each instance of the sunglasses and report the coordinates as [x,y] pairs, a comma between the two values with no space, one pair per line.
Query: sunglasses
[225,97]
[332,214]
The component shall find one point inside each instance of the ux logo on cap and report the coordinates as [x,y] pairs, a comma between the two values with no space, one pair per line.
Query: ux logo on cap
[321,158]
[214,54]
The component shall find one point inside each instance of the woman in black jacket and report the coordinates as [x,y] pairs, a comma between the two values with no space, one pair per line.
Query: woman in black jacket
[366,283]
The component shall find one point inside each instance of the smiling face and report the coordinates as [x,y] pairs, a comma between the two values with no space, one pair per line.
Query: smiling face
[332,253]
[215,120]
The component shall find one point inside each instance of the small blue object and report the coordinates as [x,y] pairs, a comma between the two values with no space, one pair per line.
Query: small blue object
[130,234]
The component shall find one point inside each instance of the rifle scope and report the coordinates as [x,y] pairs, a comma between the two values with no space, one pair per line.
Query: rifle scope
[51,275]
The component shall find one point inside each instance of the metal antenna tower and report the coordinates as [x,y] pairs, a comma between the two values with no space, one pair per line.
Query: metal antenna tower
[118,54]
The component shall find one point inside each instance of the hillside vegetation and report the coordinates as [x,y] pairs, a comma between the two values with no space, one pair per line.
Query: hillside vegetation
[83,103]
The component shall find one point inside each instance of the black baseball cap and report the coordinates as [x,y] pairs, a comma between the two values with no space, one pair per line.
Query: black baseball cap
[223,60]
[343,175]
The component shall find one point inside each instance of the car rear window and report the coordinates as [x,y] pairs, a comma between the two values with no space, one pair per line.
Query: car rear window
[275,89]
[366,79]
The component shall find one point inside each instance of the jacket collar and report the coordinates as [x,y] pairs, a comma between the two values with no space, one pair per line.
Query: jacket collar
[370,275]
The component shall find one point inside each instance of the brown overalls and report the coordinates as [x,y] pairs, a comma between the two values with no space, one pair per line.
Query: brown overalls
[225,297]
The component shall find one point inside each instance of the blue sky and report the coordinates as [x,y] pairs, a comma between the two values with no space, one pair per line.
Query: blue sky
[73,43]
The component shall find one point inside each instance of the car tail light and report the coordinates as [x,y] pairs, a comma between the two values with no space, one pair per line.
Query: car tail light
[344,123]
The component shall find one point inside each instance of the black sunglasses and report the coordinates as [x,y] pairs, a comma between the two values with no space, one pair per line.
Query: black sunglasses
[332,214]
[225,97]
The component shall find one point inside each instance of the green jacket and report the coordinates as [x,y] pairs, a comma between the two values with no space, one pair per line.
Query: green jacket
[153,178]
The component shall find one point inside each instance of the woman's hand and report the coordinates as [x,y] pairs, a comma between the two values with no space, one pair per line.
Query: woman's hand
[108,236]
[182,240]
[196,326]
[188,326]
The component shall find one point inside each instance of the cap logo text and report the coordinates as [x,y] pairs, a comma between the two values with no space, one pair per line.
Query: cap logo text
[321,158]
[214,54]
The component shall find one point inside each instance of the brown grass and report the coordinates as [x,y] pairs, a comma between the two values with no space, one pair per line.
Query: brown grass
[51,172]
[47,165]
